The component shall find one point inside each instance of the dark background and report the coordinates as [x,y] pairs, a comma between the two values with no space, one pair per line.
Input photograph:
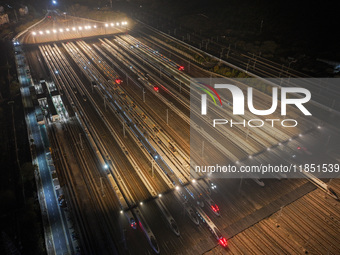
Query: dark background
[305,27]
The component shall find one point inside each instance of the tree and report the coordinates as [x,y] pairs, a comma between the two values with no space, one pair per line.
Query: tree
[14,88]
[1,113]
[27,172]
[8,201]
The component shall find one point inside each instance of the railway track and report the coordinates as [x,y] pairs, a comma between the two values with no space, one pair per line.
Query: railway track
[251,62]
[69,187]
[89,183]
[260,101]
[101,111]
[103,122]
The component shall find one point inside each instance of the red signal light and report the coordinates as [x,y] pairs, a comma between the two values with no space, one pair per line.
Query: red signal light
[299,148]
[118,81]
[215,208]
[181,68]
[223,242]
[156,89]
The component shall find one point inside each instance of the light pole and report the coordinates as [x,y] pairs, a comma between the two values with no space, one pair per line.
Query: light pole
[288,74]
[247,65]
[254,63]
[93,86]
[202,149]
[101,186]
[81,142]
[280,214]
[221,53]
[290,62]
[167,116]
[34,34]
[152,170]
[239,188]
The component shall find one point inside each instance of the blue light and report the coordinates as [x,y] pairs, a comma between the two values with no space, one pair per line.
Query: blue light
[54,2]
